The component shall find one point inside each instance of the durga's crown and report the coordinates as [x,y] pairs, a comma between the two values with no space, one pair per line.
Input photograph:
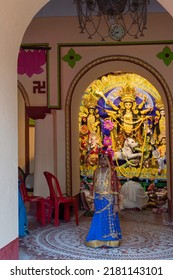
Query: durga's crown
[128,93]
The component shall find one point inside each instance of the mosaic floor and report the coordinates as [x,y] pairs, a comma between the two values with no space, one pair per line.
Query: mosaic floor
[146,235]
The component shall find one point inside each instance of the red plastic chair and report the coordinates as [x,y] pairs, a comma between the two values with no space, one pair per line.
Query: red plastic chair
[39,200]
[57,198]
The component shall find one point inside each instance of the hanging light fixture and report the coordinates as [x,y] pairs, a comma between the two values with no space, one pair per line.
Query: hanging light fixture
[119,17]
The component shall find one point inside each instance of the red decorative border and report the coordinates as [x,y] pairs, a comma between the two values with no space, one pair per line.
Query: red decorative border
[10,251]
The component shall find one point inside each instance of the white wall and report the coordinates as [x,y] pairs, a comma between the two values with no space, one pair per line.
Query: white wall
[15,17]
[168,5]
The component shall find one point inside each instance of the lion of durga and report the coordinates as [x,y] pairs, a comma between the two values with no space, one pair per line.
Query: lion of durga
[128,150]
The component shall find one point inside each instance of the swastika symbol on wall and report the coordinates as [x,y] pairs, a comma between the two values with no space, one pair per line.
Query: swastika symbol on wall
[39,87]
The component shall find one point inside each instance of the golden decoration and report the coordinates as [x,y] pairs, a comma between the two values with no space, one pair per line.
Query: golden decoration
[121,79]
[159,104]
[128,93]
[89,101]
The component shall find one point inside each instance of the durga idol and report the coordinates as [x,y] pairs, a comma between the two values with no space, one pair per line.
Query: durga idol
[129,116]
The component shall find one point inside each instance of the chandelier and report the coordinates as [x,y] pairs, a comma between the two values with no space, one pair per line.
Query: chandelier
[112,18]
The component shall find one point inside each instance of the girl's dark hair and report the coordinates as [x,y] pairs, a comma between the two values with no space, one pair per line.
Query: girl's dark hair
[136,179]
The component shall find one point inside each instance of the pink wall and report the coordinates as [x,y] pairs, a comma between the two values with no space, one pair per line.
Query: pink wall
[65,30]
[49,30]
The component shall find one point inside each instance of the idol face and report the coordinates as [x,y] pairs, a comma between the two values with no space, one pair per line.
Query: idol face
[128,105]
[162,112]
[91,110]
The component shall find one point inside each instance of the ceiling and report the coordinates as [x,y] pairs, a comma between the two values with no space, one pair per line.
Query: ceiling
[67,8]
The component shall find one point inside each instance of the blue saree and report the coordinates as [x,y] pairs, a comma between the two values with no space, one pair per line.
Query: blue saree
[105,226]
[22,216]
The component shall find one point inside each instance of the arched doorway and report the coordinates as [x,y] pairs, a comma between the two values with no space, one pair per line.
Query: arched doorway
[123,114]
[97,69]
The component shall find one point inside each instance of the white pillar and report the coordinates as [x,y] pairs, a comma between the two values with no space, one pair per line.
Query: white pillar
[44,155]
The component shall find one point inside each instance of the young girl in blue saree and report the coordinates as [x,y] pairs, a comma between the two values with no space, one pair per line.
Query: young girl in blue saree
[105,228]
